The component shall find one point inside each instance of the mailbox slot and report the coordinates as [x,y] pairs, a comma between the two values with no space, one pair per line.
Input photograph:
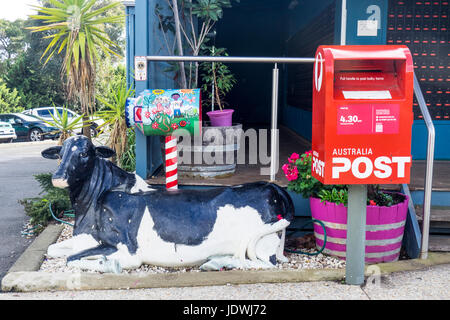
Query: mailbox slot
[369,79]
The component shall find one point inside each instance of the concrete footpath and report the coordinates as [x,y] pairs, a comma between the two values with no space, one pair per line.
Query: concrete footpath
[406,279]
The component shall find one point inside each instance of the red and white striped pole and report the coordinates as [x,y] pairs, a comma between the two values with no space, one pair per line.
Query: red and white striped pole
[171,163]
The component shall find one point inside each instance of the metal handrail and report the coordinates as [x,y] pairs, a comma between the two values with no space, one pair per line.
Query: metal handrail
[429,170]
[231,59]
[274,154]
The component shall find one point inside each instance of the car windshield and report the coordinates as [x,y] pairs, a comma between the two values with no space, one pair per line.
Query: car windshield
[26,117]
[4,125]
[45,112]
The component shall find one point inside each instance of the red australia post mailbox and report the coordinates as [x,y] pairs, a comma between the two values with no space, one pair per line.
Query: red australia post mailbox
[362,114]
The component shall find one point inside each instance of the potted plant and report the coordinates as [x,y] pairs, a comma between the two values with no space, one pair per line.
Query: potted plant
[217,82]
[385,220]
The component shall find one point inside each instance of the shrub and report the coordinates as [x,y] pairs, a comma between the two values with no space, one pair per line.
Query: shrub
[37,208]
[128,159]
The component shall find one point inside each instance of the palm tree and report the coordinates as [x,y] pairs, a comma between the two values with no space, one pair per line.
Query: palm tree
[77,29]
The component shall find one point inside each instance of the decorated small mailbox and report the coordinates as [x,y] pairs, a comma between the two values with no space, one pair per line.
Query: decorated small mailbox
[362,114]
[161,112]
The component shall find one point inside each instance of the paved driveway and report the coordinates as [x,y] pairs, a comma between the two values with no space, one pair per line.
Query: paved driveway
[18,163]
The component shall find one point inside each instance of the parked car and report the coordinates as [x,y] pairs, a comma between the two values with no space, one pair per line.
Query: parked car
[7,132]
[46,112]
[29,128]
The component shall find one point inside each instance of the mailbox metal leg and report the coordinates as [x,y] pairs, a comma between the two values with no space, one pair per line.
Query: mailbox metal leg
[356,234]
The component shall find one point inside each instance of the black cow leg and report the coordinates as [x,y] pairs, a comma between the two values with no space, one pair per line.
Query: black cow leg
[103,249]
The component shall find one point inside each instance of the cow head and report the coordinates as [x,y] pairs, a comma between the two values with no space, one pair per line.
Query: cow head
[77,156]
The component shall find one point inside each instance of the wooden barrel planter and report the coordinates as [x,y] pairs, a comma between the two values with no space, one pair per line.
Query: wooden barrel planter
[384,229]
[217,143]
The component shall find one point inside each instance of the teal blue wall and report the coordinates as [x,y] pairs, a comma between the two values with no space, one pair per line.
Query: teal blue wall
[420,140]
[362,10]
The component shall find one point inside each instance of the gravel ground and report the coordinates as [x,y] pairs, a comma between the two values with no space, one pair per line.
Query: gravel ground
[427,284]
[296,262]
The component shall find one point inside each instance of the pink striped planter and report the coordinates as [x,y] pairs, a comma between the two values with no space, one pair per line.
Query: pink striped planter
[384,229]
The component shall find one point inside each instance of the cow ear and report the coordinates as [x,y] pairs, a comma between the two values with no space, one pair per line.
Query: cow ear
[51,153]
[104,152]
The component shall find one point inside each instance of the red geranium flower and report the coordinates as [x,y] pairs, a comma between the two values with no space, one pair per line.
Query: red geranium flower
[294,157]
[174,126]
[372,203]
[291,172]
[147,114]
[155,125]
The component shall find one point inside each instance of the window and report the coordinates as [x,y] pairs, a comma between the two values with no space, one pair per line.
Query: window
[45,113]
[69,113]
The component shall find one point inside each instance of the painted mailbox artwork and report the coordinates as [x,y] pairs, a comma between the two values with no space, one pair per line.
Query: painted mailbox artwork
[159,112]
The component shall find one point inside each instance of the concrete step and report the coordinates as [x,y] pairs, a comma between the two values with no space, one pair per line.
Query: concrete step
[439,243]
[440,215]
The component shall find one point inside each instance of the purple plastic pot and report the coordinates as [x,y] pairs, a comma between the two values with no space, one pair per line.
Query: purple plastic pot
[221,118]
[384,229]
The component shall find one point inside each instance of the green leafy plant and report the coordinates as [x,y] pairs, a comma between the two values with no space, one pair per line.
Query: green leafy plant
[301,181]
[65,126]
[298,172]
[113,115]
[338,196]
[128,159]
[375,197]
[37,208]
[217,75]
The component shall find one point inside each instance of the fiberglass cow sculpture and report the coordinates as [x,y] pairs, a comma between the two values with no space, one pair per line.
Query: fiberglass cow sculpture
[121,222]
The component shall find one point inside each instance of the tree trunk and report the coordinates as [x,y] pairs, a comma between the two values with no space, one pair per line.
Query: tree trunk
[86,127]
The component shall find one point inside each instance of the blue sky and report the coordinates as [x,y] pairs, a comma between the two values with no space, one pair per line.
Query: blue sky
[16,9]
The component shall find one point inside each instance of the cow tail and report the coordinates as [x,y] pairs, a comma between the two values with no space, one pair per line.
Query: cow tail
[288,205]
